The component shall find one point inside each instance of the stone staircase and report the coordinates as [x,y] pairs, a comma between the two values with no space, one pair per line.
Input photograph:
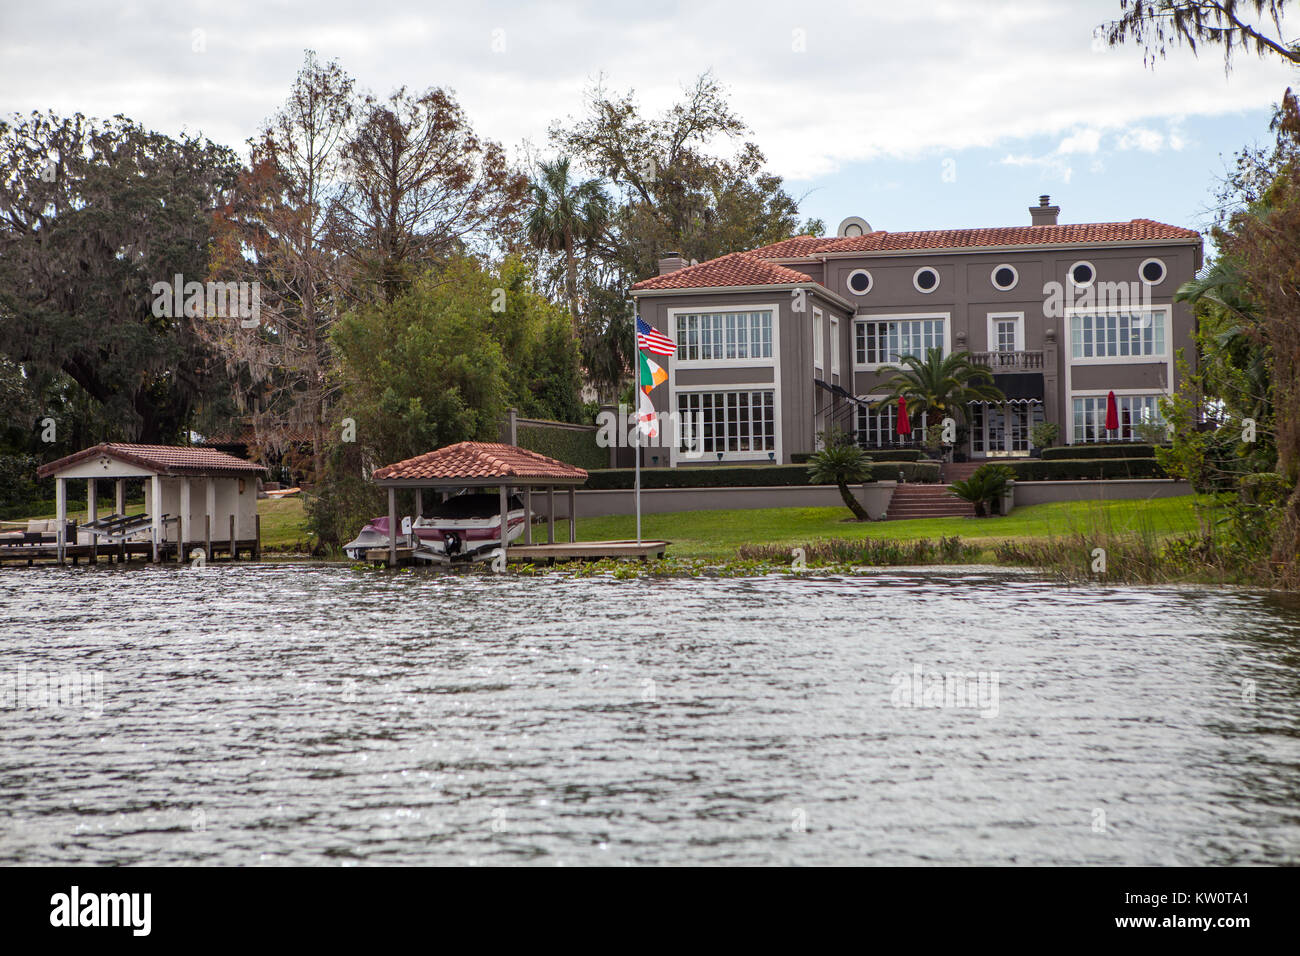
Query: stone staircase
[960,470]
[927,501]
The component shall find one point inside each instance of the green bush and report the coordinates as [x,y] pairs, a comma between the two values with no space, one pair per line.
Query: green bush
[984,488]
[1101,450]
[1075,469]
[20,493]
[740,476]
[890,454]
[568,445]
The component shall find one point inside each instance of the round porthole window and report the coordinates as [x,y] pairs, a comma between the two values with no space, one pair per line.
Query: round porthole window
[926,279]
[1082,274]
[859,281]
[1005,277]
[1152,271]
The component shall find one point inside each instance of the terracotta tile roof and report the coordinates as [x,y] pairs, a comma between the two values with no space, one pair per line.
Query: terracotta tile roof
[882,241]
[736,269]
[163,459]
[479,460]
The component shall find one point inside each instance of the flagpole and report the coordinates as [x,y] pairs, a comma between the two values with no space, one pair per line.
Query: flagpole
[636,448]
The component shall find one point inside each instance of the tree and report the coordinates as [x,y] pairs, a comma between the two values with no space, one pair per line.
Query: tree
[841,462]
[938,386]
[565,215]
[423,187]
[1159,24]
[278,231]
[92,214]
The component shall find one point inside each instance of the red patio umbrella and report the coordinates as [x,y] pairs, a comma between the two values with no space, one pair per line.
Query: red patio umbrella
[1112,413]
[903,426]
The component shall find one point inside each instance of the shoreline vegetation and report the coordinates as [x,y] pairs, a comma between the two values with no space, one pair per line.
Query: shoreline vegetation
[1163,540]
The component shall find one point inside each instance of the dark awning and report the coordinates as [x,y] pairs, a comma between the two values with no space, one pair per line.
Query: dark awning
[1020,388]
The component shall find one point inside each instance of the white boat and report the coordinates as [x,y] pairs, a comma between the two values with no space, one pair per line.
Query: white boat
[465,527]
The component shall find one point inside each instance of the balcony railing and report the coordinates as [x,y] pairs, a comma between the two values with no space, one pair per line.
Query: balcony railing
[1009,361]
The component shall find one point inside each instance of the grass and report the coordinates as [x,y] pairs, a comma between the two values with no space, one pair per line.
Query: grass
[284,525]
[718,535]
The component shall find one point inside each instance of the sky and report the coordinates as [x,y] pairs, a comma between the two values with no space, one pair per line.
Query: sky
[913,114]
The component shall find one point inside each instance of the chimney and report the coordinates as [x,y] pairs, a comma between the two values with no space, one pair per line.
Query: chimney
[1044,214]
[671,262]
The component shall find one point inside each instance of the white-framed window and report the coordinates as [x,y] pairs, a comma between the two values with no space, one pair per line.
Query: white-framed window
[835,345]
[925,279]
[739,420]
[859,281]
[1004,277]
[818,345]
[1118,335]
[1082,274]
[878,427]
[1152,271]
[884,341]
[724,336]
[1006,331]
[1134,410]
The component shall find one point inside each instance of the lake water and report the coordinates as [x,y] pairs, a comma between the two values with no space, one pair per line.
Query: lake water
[323,715]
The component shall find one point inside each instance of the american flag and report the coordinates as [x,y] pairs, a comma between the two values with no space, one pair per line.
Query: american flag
[652,340]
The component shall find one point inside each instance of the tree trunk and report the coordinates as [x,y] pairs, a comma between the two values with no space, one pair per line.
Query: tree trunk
[571,278]
[852,503]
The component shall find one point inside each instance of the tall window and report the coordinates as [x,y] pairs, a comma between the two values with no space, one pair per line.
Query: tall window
[1122,334]
[717,336]
[739,421]
[1005,332]
[835,346]
[818,345]
[877,426]
[1134,410]
[881,341]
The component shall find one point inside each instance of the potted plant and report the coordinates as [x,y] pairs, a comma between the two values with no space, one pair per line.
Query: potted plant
[1043,435]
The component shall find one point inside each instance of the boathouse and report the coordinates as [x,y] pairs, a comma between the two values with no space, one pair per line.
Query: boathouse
[193,498]
[508,468]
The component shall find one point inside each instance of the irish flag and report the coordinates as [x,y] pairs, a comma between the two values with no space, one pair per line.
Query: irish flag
[651,374]
[646,421]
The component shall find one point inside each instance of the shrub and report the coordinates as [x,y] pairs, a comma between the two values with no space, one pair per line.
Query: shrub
[886,454]
[740,476]
[1101,450]
[1032,469]
[570,445]
[985,487]
[1044,434]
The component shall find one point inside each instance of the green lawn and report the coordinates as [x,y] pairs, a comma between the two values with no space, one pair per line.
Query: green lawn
[717,534]
[284,526]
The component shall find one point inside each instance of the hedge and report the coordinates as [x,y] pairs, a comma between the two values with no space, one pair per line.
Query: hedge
[570,445]
[765,476]
[1082,469]
[895,454]
[1100,450]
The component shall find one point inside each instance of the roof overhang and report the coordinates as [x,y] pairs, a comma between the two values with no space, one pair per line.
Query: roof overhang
[815,288]
[1010,247]
[509,482]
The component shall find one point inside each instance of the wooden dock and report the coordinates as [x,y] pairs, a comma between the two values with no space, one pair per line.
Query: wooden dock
[550,553]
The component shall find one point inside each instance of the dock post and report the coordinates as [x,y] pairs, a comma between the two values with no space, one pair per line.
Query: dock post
[183,521]
[92,515]
[392,527]
[573,514]
[61,514]
[528,514]
[257,537]
[119,509]
[234,548]
[505,515]
[207,536]
[155,513]
[550,514]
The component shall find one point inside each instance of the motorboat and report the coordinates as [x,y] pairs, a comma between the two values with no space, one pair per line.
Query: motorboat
[465,527]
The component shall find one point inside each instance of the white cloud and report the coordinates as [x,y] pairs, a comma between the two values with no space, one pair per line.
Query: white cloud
[1084,141]
[1141,138]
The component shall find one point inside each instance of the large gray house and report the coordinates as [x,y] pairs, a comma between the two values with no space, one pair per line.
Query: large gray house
[777,343]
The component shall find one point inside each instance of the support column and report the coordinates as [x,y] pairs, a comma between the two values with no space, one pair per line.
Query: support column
[392,527]
[550,514]
[528,514]
[61,515]
[183,521]
[234,542]
[505,514]
[419,505]
[210,508]
[155,513]
[573,514]
[119,509]
[92,515]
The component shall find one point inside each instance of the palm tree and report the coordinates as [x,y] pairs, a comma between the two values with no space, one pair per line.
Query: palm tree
[566,215]
[841,462]
[985,486]
[937,386]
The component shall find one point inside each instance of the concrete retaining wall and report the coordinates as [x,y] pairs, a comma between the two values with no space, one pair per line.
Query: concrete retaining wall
[590,503]
[1041,492]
